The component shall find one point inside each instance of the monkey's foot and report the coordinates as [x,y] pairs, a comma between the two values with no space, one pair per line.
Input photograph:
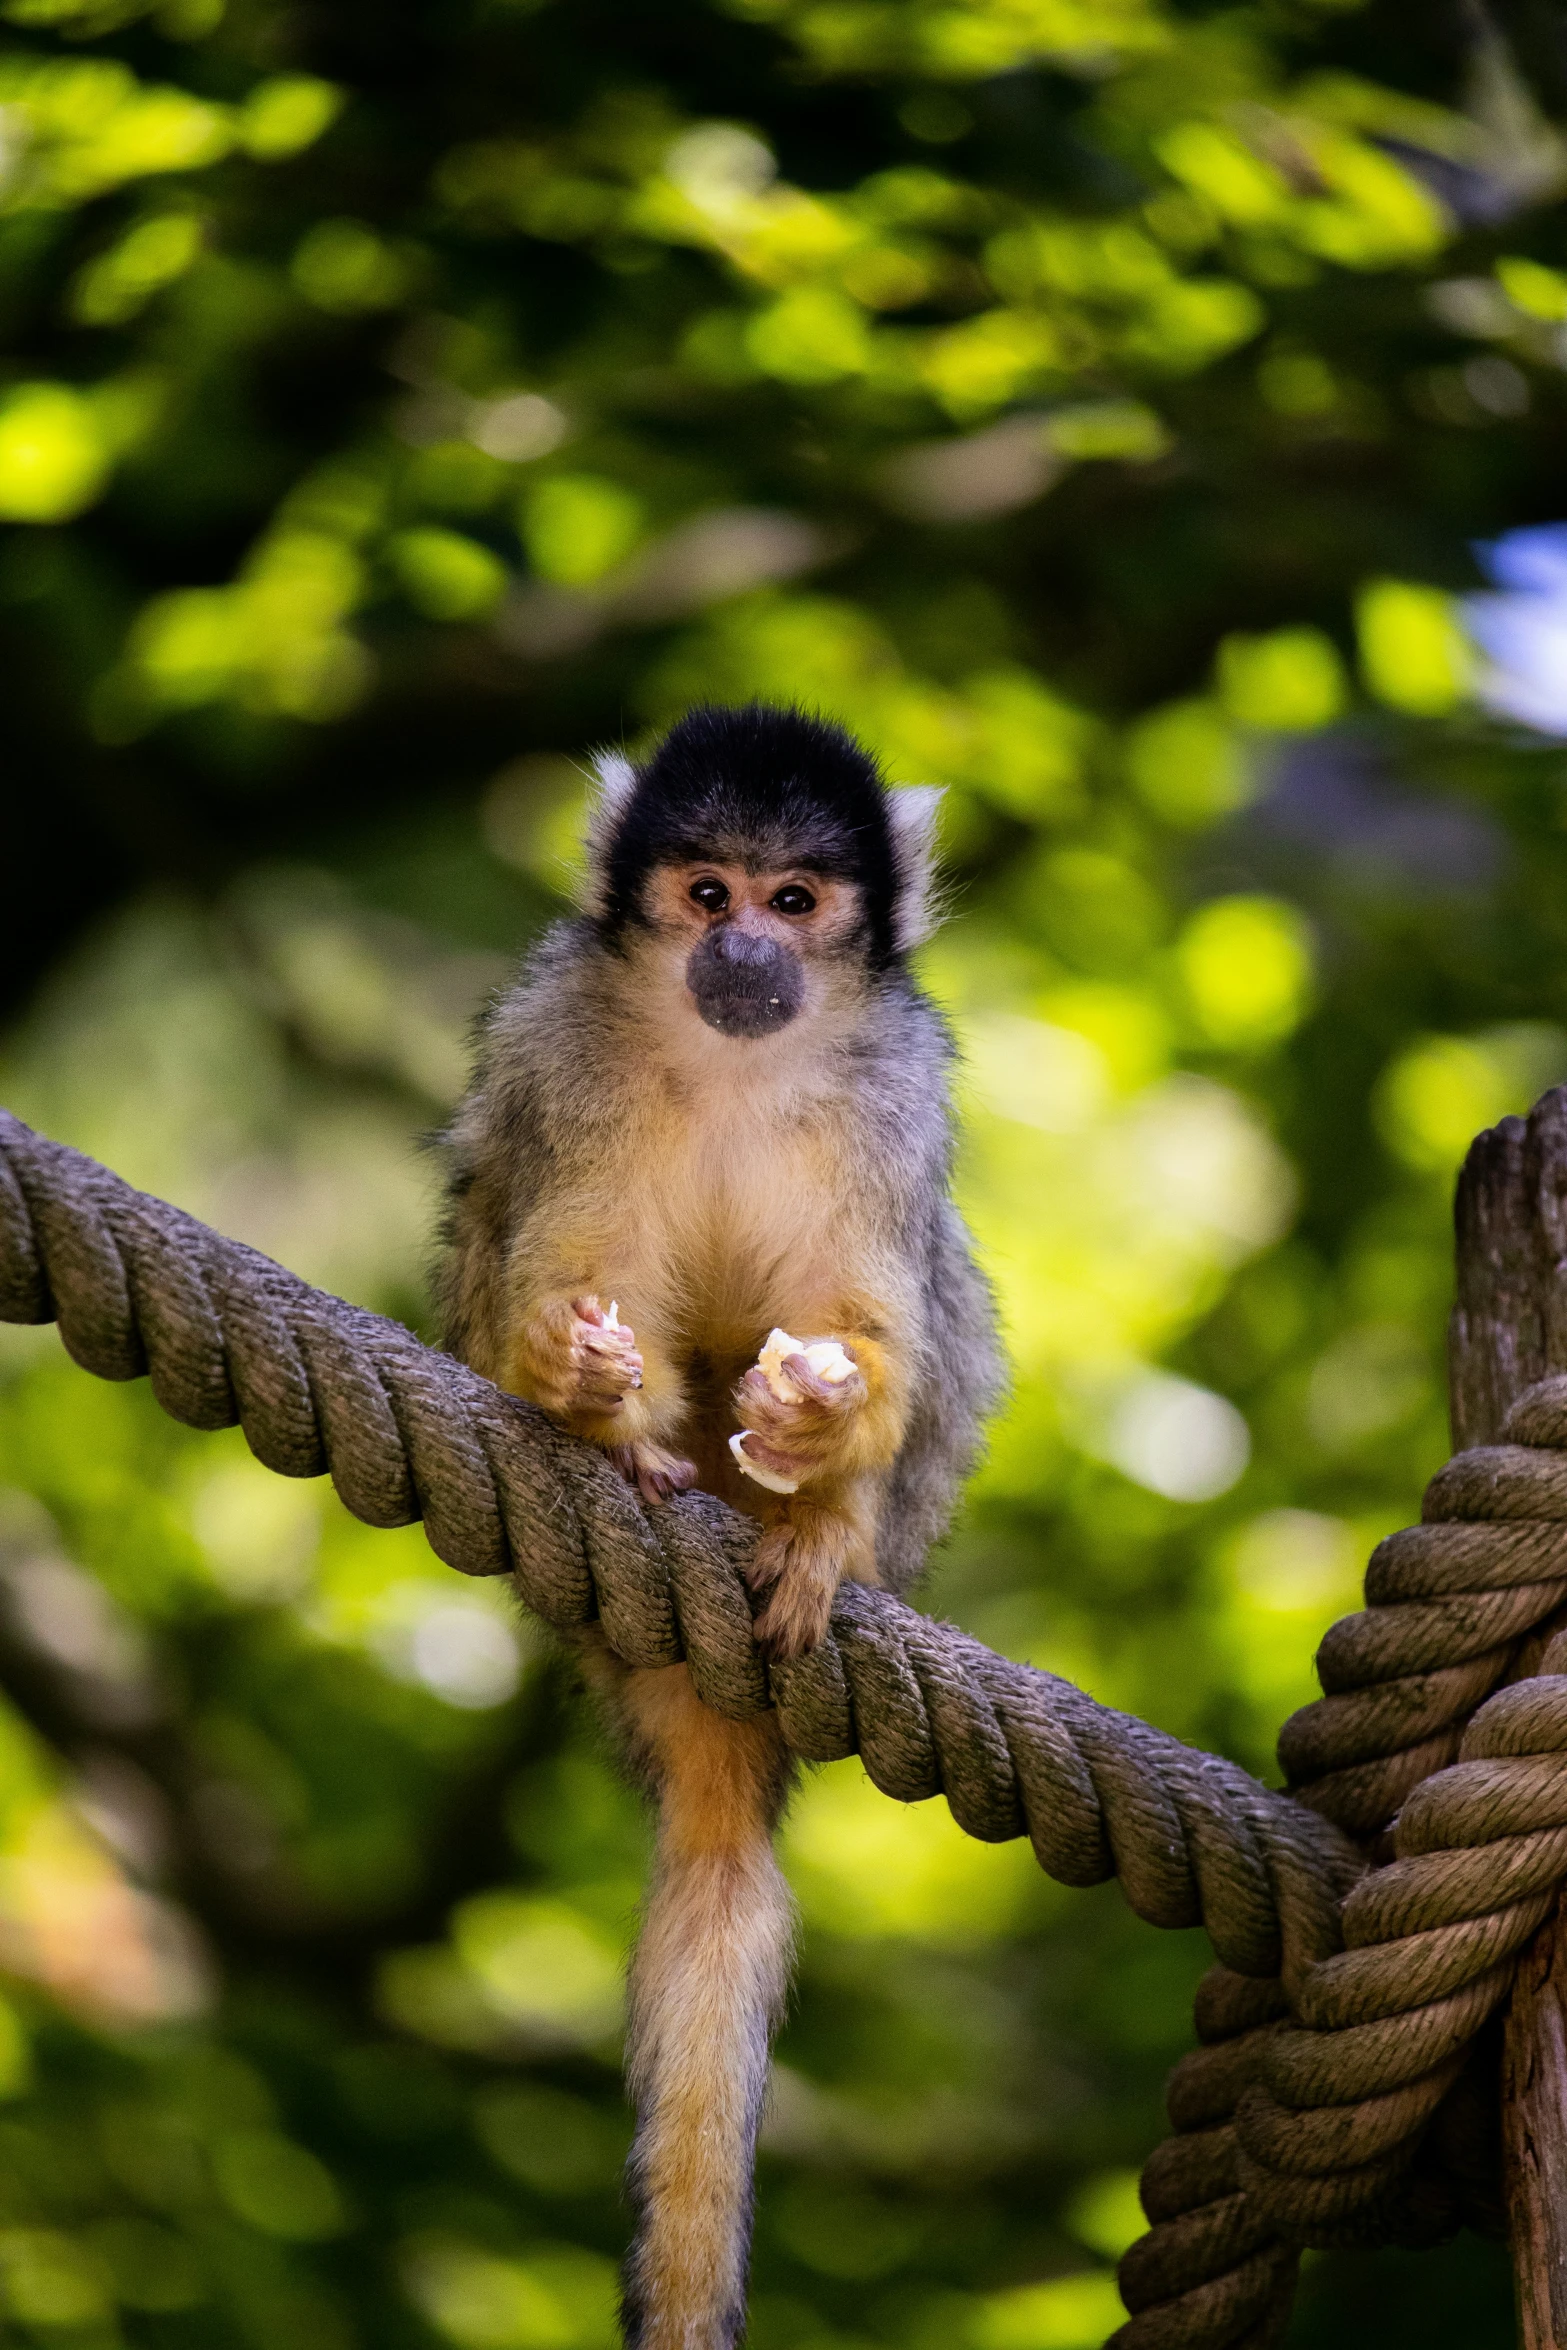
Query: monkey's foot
[800,1564]
[656,1474]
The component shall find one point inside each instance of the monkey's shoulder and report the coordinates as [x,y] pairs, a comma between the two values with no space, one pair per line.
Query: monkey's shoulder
[548,1044]
[897,1075]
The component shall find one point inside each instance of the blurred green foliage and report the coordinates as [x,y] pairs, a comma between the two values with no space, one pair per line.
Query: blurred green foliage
[1095,403]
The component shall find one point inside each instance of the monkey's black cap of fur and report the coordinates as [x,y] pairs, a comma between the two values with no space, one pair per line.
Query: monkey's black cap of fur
[762,787]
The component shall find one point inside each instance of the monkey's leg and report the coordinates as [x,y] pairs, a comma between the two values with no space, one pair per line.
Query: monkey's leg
[810,1545]
[707,1988]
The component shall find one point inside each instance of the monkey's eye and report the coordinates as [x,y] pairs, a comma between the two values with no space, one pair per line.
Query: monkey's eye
[710,895]
[793,899]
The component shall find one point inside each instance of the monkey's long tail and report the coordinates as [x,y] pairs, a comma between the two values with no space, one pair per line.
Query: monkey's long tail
[707,1989]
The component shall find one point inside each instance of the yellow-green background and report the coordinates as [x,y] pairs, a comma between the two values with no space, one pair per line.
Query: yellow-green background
[1095,404]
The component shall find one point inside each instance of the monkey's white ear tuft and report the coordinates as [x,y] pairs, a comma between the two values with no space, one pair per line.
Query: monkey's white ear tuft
[911,813]
[615,779]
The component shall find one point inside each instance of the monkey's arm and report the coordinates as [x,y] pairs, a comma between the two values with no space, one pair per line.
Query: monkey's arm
[958,1378]
[527,1282]
[835,1441]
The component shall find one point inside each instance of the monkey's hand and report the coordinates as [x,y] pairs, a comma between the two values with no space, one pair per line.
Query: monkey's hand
[602,1358]
[578,1360]
[801,1434]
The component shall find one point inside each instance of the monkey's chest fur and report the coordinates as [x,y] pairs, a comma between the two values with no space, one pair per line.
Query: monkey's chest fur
[738,1225]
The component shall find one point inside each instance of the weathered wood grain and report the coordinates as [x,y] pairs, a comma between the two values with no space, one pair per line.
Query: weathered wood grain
[1509,1328]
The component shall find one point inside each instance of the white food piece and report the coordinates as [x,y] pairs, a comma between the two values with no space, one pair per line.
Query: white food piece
[612,1318]
[754,1469]
[825,1356]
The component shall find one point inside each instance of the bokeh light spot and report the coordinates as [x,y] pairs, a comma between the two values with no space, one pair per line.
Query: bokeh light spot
[288,113]
[1176,1438]
[1246,966]
[578,526]
[53,458]
[1290,681]
[446,575]
[1414,654]
[1067,2313]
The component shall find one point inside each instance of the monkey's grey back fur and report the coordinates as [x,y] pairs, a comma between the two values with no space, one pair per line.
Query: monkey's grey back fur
[957,1389]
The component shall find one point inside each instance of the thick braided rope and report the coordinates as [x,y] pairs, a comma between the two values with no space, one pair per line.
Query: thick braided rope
[1298,2130]
[318,1386]
[1360,2108]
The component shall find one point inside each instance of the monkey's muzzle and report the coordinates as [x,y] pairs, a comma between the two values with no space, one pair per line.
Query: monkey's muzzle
[744,985]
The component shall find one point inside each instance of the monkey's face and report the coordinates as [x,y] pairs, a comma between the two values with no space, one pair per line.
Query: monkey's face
[750,939]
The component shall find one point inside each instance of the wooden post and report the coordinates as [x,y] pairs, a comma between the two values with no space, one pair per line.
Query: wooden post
[1509,1328]
[1534,2130]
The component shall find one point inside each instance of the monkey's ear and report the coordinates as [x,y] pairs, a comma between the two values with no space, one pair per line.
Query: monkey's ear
[615,779]
[911,815]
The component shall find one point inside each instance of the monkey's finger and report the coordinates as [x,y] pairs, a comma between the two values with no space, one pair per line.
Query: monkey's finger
[769,1560]
[606,1374]
[766,1455]
[607,1345]
[590,1344]
[600,1332]
[834,1394]
[790,1431]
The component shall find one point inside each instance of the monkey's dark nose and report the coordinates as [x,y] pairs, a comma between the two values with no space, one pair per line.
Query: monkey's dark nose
[744,985]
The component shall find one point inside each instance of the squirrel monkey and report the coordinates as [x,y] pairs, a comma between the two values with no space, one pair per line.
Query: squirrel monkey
[714,1107]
